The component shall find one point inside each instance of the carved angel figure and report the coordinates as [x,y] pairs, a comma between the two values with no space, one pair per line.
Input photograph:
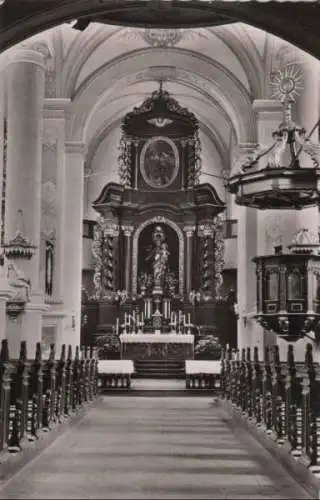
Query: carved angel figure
[17,279]
[313,150]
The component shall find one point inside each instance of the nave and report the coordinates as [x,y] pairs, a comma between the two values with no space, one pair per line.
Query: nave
[153,447]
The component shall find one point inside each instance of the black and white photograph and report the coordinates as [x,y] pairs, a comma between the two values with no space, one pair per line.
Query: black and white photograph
[160,249]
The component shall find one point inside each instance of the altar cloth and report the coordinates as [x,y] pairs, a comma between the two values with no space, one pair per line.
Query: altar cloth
[163,338]
[197,366]
[115,366]
[148,346]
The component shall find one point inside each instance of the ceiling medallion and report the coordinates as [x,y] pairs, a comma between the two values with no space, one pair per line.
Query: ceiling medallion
[272,176]
[162,37]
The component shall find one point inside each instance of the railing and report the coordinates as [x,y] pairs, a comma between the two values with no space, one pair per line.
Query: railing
[36,395]
[282,398]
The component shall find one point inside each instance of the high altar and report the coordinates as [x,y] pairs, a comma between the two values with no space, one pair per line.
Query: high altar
[157,241]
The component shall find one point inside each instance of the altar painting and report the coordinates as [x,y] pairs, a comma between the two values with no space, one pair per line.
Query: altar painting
[159,162]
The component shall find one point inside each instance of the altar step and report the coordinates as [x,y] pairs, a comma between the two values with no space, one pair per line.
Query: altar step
[159,369]
[159,388]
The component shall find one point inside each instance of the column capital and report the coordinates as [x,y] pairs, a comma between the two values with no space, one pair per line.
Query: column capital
[27,55]
[128,230]
[189,230]
[206,230]
[266,106]
[55,108]
[112,230]
[74,147]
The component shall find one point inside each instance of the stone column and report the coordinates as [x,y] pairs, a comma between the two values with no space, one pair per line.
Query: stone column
[128,230]
[5,289]
[53,200]
[189,230]
[275,227]
[269,115]
[307,115]
[246,301]
[26,79]
[72,241]
[2,139]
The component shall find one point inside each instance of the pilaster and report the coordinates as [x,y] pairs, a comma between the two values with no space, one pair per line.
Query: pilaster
[53,201]
[127,231]
[189,232]
[307,115]
[72,241]
[26,79]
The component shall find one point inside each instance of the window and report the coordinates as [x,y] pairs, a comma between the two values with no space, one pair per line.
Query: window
[230,228]
[87,231]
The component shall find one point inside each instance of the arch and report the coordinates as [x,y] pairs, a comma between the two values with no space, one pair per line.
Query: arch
[161,220]
[96,35]
[114,121]
[275,18]
[218,82]
[249,59]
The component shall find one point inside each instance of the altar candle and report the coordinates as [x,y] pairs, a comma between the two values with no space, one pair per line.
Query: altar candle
[125,318]
[149,308]
[189,319]
[117,326]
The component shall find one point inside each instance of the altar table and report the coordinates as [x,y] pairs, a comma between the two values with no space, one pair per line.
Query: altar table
[144,346]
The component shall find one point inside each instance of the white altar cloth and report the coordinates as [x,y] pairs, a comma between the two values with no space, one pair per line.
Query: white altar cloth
[116,366]
[196,366]
[151,338]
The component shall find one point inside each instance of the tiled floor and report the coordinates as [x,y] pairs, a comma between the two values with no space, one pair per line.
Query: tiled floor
[158,448]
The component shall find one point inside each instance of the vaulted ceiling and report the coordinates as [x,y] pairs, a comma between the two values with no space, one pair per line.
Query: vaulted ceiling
[216,69]
[296,22]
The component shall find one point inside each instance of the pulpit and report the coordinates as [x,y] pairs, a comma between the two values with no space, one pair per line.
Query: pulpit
[158,236]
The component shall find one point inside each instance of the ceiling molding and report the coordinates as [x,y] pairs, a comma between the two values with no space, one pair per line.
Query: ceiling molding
[233,98]
[155,53]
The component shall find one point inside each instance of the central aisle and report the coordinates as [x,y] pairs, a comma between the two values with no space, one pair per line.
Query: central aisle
[158,448]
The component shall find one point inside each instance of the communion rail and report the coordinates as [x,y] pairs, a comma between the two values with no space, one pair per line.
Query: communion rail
[281,398]
[37,394]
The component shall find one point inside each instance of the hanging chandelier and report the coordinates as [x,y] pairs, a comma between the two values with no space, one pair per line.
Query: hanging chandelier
[273,176]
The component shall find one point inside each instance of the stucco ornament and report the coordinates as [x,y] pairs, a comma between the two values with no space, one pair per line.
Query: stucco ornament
[48,207]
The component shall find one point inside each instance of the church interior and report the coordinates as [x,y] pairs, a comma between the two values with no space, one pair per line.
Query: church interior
[159,223]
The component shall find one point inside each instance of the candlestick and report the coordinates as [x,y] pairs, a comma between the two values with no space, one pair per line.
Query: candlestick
[117,326]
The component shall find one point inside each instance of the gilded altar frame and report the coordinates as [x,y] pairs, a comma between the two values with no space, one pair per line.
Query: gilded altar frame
[136,235]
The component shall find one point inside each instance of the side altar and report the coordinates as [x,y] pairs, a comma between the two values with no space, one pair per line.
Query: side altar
[158,241]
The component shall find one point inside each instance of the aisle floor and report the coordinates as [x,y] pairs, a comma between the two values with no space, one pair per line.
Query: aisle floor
[158,448]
